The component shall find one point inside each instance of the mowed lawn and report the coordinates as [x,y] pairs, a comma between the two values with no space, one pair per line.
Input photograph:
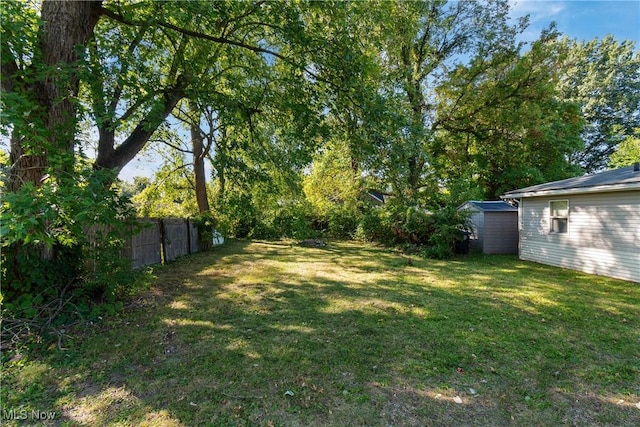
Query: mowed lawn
[272,334]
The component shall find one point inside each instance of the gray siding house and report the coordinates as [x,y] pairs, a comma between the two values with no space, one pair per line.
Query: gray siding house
[590,223]
[494,227]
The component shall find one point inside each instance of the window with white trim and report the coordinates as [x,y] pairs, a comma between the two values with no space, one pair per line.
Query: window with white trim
[559,216]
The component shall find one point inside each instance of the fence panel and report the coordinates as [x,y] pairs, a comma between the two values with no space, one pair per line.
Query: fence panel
[175,238]
[193,238]
[145,247]
[157,241]
[94,234]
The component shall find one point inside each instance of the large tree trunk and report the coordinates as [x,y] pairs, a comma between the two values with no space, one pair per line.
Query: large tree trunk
[198,168]
[220,166]
[67,27]
[42,138]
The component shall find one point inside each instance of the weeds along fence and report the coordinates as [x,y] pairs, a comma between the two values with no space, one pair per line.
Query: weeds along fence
[157,240]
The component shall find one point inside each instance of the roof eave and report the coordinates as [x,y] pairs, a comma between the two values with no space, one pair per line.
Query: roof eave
[568,191]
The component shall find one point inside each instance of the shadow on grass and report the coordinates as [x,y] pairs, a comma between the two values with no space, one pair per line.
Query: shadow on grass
[268,333]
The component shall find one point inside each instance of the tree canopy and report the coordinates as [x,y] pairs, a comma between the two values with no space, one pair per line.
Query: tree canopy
[603,78]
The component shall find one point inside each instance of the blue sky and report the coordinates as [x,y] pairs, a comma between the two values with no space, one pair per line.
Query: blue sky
[582,19]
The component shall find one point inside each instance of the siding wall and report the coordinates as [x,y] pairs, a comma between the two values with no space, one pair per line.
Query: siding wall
[477,232]
[500,233]
[603,234]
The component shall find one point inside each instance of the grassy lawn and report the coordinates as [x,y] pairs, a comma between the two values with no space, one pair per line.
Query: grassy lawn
[272,334]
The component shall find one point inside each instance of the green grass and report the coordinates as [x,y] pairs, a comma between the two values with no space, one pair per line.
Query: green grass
[272,334]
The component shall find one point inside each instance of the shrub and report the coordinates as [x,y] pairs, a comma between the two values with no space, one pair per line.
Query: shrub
[53,254]
[343,222]
[239,215]
[434,230]
[417,225]
[372,228]
[447,225]
[206,223]
[292,222]
[264,230]
[288,221]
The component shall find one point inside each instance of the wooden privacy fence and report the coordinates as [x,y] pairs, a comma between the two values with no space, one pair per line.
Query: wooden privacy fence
[161,240]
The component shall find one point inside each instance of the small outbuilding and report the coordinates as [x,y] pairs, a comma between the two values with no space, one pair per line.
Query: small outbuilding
[590,223]
[494,227]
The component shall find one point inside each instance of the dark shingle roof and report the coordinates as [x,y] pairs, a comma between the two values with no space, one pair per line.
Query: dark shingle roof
[492,206]
[376,195]
[608,180]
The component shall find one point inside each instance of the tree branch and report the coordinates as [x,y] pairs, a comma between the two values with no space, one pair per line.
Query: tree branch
[175,147]
[132,109]
[220,40]
[117,94]
[140,136]
[9,68]
[197,34]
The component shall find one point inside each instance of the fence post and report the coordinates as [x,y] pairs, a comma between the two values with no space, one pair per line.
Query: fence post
[163,242]
[188,236]
[128,245]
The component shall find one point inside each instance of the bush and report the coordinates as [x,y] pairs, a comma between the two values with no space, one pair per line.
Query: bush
[206,223]
[435,230]
[343,222]
[53,254]
[239,215]
[293,223]
[107,275]
[372,228]
[288,222]
[417,226]
[264,230]
[447,225]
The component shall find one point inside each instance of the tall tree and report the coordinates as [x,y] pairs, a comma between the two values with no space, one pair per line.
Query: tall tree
[330,181]
[603,77]
[199,176]
[131,89]
[425,40]
[503,125]
[165,61]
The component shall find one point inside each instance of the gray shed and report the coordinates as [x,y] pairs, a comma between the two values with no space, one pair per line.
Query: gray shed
[494,227]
